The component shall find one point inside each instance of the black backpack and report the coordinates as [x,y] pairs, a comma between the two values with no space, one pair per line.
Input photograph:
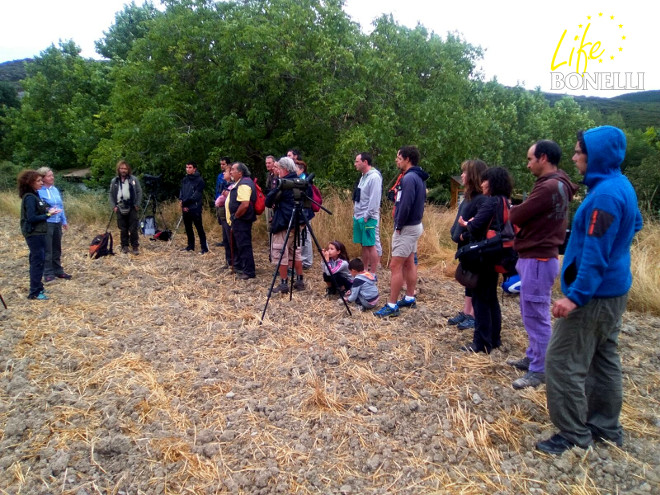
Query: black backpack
[102,244]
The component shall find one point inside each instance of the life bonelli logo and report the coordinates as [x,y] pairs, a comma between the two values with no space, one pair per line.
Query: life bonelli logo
[587,55]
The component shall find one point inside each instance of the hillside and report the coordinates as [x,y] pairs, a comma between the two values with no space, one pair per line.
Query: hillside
[638,110]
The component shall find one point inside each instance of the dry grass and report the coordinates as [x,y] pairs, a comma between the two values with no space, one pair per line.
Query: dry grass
[169,349]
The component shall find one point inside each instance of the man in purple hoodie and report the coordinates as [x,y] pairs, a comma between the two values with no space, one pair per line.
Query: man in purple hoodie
[542,219]
[408,212]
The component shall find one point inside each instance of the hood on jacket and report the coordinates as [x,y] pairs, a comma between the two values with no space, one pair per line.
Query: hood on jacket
[562,177]
[606,149]
[417,170]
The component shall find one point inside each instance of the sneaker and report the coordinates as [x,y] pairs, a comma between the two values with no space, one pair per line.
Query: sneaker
[457,319]
[124,249]
[521,364]
[65,276]
[40,297]
[299,285]
[135,251]
[204,251]
[468,322]
[219,244]
[185,248]
[556,445]
[531,379]
[49,278]
[283,287]
[387,311]
[244,276]
[404,303]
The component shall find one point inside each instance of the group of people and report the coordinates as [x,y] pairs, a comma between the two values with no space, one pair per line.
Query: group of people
[42,222]
[577,359]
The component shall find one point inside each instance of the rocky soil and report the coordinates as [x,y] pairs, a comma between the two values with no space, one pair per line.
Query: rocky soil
[153,375]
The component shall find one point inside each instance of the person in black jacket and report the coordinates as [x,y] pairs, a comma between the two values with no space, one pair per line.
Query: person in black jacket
[283,203]
[496,184]
[190,198]
[34,213]
[125,199]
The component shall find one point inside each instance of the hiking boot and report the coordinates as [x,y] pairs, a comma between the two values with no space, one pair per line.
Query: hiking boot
[185,248]
[556,445]
[468,322]
[387,311]
[531,379]
[521,364]
[299,285]
[404,303]
[283,287]
[471,347]
[457,319]
[49,278]
[135,251]
[65,276]
[244,276]
[124,249]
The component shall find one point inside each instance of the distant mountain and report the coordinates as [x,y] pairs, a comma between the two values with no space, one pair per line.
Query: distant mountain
[13,71]
[638,110]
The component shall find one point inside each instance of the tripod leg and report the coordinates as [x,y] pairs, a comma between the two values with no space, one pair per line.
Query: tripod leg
[332,276]
[3,301]
[277,268]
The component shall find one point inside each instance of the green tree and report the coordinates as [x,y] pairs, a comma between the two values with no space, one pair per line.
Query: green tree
[131,24]
[56,122]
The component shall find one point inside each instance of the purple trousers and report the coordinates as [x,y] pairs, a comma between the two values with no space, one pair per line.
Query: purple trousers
[536,279]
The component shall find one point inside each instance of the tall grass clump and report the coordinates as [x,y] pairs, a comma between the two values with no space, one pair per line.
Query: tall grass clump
[645,265]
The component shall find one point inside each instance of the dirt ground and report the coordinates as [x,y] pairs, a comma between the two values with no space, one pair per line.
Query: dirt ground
[152,374]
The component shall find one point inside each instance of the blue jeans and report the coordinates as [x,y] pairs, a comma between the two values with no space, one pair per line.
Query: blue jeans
[536,279]
[37,245]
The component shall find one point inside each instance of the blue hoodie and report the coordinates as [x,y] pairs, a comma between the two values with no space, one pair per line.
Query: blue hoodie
[409,205]
[597,258]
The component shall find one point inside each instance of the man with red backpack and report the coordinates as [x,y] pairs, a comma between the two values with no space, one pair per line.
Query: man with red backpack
[240,216]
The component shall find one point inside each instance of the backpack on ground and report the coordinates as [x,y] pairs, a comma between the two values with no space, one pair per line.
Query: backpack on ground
[316,196]
[260,202]
[102,244]
[162,235]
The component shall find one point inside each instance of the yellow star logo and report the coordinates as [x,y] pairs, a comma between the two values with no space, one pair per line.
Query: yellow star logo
[600,60]
[600,14]
[611,17]
[612,57]
[620,49]
[623,37]
[580,26]
[620,26]
[588,17]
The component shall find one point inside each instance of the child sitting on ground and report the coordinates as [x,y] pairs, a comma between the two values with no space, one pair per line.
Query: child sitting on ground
[364,291]
[337,258]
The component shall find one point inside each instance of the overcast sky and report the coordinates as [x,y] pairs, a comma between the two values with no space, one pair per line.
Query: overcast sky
[519,38]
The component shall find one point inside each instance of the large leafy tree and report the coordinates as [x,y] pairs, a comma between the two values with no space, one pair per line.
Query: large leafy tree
[56,122]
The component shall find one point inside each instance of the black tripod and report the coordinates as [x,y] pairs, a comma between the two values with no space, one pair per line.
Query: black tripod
[297,219]
[148,223]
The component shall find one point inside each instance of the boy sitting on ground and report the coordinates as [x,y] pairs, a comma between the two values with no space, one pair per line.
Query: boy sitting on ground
[364,291]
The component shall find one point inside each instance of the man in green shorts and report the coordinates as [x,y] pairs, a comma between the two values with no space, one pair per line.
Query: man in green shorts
[366,210]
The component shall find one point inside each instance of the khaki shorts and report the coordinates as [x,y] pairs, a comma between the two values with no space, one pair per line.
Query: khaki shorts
[276,248]
[405,243]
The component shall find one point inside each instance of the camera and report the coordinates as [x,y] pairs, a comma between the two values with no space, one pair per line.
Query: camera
[152,180]
[286,184]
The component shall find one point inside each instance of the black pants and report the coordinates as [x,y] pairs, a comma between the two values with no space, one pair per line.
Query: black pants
[128,228]
[487,314]
[190,219]
[53,264]
[241,234]
[37,245]
[343,282]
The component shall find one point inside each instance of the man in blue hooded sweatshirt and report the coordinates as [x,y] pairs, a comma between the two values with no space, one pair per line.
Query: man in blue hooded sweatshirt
[408,212]
[583,367]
